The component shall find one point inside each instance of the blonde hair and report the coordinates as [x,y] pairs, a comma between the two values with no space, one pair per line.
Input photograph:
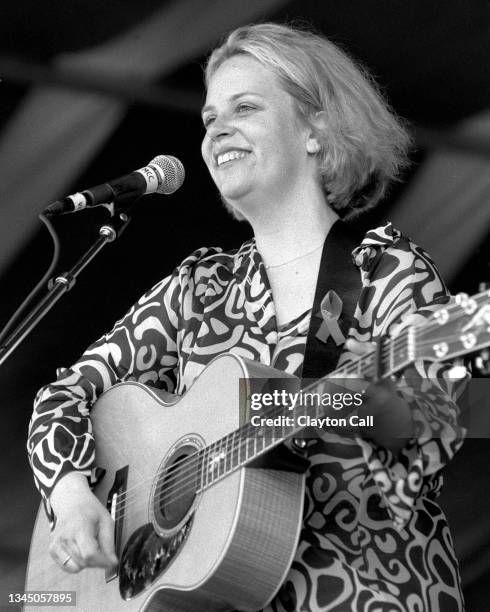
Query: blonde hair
[363,144]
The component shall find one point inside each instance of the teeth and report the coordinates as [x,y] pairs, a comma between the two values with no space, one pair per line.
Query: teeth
[229,155]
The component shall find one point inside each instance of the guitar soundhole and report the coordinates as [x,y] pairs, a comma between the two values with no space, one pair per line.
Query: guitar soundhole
[153,546]
[176,489]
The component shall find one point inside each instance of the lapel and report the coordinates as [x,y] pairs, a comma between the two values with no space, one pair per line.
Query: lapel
[252,283]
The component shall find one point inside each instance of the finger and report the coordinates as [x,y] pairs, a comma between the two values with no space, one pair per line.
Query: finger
[71,566]
[64,559]
[358,348]
[70,545]
[411,319]
[106,541]
[90,551]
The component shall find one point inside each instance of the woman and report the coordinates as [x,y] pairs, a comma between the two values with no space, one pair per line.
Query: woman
[296,136]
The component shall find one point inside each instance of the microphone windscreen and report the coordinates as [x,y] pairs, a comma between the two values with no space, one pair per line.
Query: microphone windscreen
[174,173]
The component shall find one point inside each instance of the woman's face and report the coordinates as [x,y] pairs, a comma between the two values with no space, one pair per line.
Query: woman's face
[255,146]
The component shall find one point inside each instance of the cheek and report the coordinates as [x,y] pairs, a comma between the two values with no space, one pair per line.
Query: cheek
[206,151]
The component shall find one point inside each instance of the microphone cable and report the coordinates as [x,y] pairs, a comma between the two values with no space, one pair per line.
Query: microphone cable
[39,285]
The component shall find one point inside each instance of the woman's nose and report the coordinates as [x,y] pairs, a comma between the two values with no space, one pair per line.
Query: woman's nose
[220,127]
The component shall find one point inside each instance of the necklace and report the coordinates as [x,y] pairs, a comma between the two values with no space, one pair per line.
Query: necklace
[268,267]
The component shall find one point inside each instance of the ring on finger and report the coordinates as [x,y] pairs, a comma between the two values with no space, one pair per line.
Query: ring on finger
[66,560]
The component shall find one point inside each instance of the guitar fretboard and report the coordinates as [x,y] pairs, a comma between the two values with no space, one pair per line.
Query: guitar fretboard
[245,444]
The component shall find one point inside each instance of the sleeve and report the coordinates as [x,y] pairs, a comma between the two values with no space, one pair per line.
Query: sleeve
[428,389]
[141,346]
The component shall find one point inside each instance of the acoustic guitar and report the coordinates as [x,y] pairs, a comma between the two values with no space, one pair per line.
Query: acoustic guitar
[200,523]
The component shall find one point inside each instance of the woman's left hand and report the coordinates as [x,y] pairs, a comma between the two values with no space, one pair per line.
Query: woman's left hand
[392,417]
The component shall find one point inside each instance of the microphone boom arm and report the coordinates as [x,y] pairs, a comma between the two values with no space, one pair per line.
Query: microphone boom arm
[62,283]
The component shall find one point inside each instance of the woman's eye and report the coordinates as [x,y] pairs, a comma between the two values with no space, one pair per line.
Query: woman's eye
[243,108]
[207,121]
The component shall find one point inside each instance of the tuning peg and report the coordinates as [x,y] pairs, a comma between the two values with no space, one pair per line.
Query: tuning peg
[461,298]
[467,304]
[482,362]
[458,369]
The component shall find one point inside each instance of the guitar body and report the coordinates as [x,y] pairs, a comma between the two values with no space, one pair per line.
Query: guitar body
[226,547]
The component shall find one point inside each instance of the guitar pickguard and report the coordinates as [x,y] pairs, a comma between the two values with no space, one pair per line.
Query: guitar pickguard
[146,555]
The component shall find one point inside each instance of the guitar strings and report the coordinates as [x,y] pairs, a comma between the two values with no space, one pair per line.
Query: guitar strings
[193,484]
[192,460]
[223,445]
[349,367]
[190,483]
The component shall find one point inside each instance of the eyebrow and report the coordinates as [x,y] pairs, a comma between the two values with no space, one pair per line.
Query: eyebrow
[234,97]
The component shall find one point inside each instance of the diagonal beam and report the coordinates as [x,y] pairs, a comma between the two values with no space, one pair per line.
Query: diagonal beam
[445,208]
[137,90]
[55,133]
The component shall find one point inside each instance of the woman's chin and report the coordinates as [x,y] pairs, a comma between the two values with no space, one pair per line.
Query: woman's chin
[234,192]
[238,196]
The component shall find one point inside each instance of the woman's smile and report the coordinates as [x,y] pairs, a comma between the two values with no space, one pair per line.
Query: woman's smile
[225,159]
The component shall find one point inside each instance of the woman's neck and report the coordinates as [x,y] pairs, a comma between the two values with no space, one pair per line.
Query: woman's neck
[294,232]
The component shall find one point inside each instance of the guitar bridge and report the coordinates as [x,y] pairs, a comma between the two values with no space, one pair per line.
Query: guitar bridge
[115,505]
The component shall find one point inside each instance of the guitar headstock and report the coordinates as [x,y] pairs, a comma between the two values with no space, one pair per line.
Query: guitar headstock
[459,328]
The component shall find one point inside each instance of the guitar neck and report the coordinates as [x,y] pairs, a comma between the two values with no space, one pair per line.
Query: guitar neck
[250,441]
[458,328]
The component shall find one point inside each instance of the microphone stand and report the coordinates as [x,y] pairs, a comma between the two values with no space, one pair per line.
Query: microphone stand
[64,282]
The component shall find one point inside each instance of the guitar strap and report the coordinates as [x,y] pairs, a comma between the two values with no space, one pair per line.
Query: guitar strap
[338,274]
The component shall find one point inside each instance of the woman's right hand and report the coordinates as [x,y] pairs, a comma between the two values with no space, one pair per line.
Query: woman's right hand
[84,530]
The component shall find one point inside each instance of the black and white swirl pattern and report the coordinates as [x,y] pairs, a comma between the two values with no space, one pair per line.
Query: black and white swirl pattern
[373,538]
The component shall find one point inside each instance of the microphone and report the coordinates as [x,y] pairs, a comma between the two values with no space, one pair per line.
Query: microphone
[164,174]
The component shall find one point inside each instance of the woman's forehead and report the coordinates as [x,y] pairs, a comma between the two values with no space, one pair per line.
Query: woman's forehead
[240,75]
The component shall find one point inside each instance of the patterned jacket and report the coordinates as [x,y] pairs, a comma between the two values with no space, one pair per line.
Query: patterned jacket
[372,531]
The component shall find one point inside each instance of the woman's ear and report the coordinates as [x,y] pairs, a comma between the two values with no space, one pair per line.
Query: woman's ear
[318,128]
[312,145]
